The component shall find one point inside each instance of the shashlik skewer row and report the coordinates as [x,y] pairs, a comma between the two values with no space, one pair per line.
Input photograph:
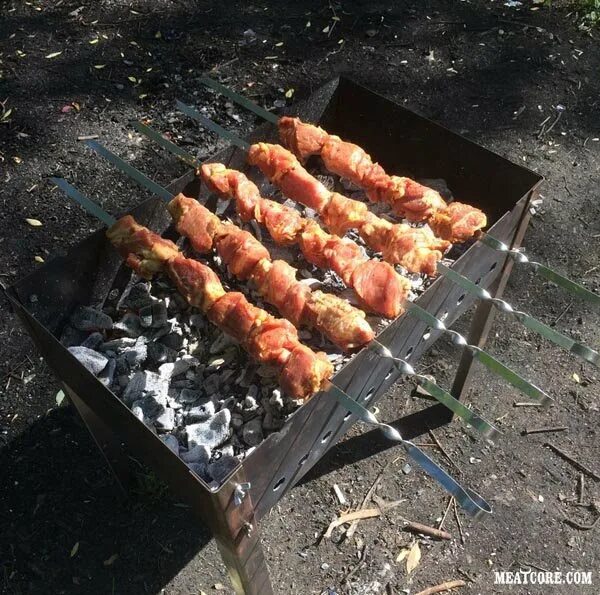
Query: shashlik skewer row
[378,286]
[415,248]
[247,258]
[270,340]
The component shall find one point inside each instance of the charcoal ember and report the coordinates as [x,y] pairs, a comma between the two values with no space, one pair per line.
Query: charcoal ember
[237,421]
[92,360]
[108,373]
[178,367]
[135,355]
[85,318]
[155,315]
[196,347]
[117,345]
[129,326]
[211,433]
[93,341]
[172,442]
[197,454]
[150,405]
[176,304]
[174,339]
[182,383]
[221,343]
[160,354]
[222,467]
[200,412]
[71,336]
[188,396]
[252,432]
[145,383]
[138,297]
[212,384]
[197,321]
[165,420]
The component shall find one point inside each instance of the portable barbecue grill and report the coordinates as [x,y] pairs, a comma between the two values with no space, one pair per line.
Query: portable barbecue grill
[91,272]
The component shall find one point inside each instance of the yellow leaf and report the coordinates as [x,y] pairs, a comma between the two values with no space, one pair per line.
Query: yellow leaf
[93,41]
[576,377]
[289,93]
[34,222]
[326,30]
[132,79]
[413,558]
[278,45]
[6,114]
[157,35]
[111,560]
[17,160]
[335,18]
[74,550]
[143,95]
[54,54]
[403,553]
[99,66]
[39,259]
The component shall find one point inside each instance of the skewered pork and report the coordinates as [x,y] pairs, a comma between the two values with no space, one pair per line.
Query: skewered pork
[268,339]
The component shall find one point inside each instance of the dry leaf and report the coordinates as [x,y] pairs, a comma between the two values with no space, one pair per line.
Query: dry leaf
[99,66]
[34,222]
[93,41]
[403,553]
[39,259]
[132,79]
[111,560]
[17,160]
[576,377]
[143,95]
[6,114]
[289,93]
[278,45]
[74,550]
[326,30]
[363,513]
[157,35]
[54,54]
[307,24]
[413,558]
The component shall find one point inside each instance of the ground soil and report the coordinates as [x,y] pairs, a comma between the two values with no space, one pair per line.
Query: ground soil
[489,71]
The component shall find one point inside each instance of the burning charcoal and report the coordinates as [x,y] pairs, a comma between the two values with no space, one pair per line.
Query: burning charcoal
[178,367]
[108,374]
[138,297]
[92,360]
[173,340]
[136,355]
[129,326]
[202,412]
[146,383]
[189,396]
[211,433]
[197,454]
[172,442]
[85,318]
[166,420]
[252,432]
[93,341]
[155,315]
[70,336]
[159,353]
[222,467]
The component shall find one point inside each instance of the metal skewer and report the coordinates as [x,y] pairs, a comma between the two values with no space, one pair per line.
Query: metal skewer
[472,502]
[518,256]
[527,320]
[441,395]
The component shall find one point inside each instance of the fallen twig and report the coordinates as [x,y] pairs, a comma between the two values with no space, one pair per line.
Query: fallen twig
[443,450]
[360,564]
[425,530]
[460,530]
[573,461]
[357,515]
[543,430]
[446,512]
[527,404]
[88,137]
[579,525]
[581,488]
[562,313]
[447,586]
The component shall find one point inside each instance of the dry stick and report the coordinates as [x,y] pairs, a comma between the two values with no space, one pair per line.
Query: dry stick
[361,563]
[462,535]
[363,513]
[425,530]
[543,430]
[581,487]
[562,313]
[444,452]
[579,525]
[573,462]
[442,587]
[527,404]
[446,512]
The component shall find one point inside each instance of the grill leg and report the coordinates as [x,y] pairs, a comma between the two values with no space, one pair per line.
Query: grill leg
[484,314]
[237,535]
[106,440]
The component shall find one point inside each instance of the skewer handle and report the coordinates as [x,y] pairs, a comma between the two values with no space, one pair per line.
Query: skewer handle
[542,270]
[166,144]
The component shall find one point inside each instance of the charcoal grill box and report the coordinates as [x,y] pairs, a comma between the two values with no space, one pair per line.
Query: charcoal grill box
[404,143]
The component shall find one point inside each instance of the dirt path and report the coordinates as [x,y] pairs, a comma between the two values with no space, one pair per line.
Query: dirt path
[493,73]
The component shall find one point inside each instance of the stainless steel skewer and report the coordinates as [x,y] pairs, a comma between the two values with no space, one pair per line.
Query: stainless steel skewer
[517,255]
[472,502]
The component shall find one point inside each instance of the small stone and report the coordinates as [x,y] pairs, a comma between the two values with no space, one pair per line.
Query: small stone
[90,359]
[85,318]
[201,412]
[129,326]
[154,315]
[252,433]
[211,433]
[172,442]
[406,469]
[222,467]
[93,341]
